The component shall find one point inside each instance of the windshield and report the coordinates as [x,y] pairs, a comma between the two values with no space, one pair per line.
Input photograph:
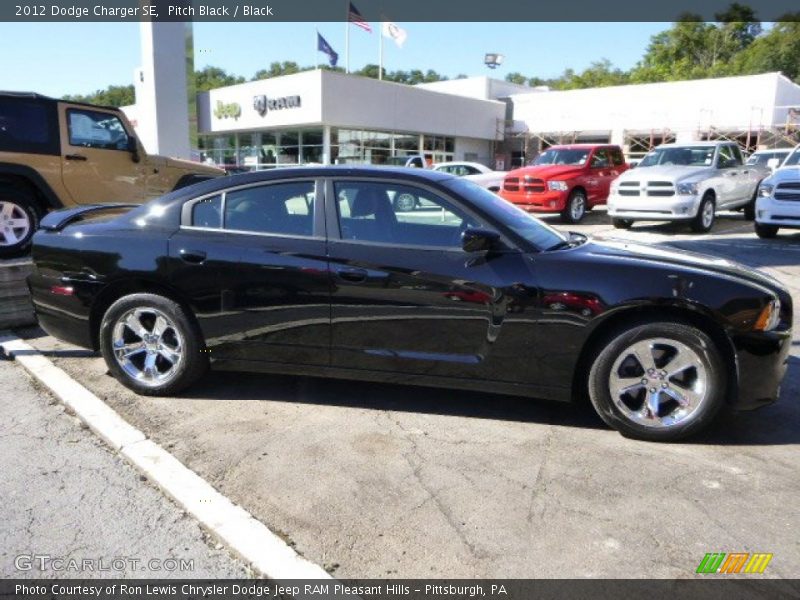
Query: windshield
[524,225]
[762,158]
[793,159]
[562,156]
[687,156]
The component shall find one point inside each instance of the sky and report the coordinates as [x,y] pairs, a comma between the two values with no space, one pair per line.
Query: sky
[77,58]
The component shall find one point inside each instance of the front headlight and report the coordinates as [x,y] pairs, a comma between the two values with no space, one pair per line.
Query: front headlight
[765,190]
[688,189]
[769,317]
[557,186]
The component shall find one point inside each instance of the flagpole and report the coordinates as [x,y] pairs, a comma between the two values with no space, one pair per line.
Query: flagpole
[347,41]
[380,53]
[316,48]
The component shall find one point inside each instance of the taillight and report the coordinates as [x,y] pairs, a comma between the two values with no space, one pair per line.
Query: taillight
[62,290]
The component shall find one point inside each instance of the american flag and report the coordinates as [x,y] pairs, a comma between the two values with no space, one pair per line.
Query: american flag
[356,19]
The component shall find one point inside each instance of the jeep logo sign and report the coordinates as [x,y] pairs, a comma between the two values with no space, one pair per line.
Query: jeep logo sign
[263,105]
[225,111]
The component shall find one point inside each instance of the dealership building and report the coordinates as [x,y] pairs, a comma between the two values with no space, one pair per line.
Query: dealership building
[328,117]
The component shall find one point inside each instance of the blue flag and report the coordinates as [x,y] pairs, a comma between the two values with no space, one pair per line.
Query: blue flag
[324,47]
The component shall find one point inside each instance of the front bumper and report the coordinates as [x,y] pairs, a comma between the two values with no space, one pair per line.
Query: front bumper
[673,208]
[762,359]
[544,202]
[781,213]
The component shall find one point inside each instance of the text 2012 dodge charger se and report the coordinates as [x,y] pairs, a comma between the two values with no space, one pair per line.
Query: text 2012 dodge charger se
[314,272]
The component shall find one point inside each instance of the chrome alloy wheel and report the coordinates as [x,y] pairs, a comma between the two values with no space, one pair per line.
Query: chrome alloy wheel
[658,383]
[15,224]
[708,214]
[147,346]
[577,207]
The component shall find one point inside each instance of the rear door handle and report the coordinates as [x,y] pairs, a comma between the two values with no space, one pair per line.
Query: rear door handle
[75,157]
[352,275]
[194,257]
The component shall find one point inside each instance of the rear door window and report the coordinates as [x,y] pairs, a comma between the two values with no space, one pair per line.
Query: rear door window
[277,208]
[28,126]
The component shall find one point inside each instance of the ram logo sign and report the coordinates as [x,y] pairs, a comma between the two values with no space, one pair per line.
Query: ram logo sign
[263,104]
[735,562]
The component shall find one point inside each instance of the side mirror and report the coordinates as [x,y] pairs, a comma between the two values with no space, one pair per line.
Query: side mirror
[773,163]
[479,240]
[133,148]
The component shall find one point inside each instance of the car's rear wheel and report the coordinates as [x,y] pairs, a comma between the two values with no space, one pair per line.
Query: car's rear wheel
[575,209]
[151,345]
[405,202]
[749,209]
[658,381]
[19,219]
[622,223]
[766,232]
[704,220]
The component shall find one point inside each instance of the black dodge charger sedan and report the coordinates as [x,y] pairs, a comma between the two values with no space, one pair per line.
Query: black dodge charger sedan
[333,272]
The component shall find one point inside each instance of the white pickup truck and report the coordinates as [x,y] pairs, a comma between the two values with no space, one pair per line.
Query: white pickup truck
[778,202]
[686,182]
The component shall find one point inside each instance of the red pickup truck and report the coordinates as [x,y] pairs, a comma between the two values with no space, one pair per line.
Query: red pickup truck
[567,179]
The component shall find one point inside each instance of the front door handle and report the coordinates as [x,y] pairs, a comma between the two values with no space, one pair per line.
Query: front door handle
[352,275]
[75,157]
[194,257]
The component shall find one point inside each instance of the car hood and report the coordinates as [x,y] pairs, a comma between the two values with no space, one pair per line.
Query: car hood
[681,259]
[672,173]
[547,172]
[194,167]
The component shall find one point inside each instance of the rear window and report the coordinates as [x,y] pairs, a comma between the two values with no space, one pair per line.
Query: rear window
[28,126]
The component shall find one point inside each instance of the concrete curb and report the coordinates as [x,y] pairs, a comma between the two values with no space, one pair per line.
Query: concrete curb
[249,539]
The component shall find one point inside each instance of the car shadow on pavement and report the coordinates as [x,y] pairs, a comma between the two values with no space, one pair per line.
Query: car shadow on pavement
[392,397]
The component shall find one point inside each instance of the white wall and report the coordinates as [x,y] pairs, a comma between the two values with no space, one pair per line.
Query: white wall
[360,102]
[482,148]
[484,88]
[161,97]
[682,107]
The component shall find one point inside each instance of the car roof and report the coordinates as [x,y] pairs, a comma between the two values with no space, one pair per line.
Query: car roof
[706,144]
[50,99]
[220,183]
[581,146]
[766,150]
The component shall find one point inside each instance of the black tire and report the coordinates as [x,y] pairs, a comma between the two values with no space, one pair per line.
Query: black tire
[405,202]
[749,209]
[624,416]
[621,223]
[703,222]
[575,209]
[19,220]
[185,336]
[766,232]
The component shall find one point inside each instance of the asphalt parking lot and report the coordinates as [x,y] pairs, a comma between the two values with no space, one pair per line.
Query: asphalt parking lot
[374,480]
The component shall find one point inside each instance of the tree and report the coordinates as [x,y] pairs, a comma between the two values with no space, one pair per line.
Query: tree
[113,95]
[276,69]
[776,50]
[213,77]
[517,78]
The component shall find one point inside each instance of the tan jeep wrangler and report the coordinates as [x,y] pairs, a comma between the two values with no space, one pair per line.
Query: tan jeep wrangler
[56,154]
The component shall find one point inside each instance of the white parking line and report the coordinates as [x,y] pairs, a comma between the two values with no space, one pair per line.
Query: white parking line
[252,541]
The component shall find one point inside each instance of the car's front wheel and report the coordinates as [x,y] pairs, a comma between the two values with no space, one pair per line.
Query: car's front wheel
[658,381]
[766,232]
[151,345]
[706,214]
[19,219]
[575,209]
[621,223]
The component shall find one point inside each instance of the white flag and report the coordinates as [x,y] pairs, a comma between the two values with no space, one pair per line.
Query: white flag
[393,32]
